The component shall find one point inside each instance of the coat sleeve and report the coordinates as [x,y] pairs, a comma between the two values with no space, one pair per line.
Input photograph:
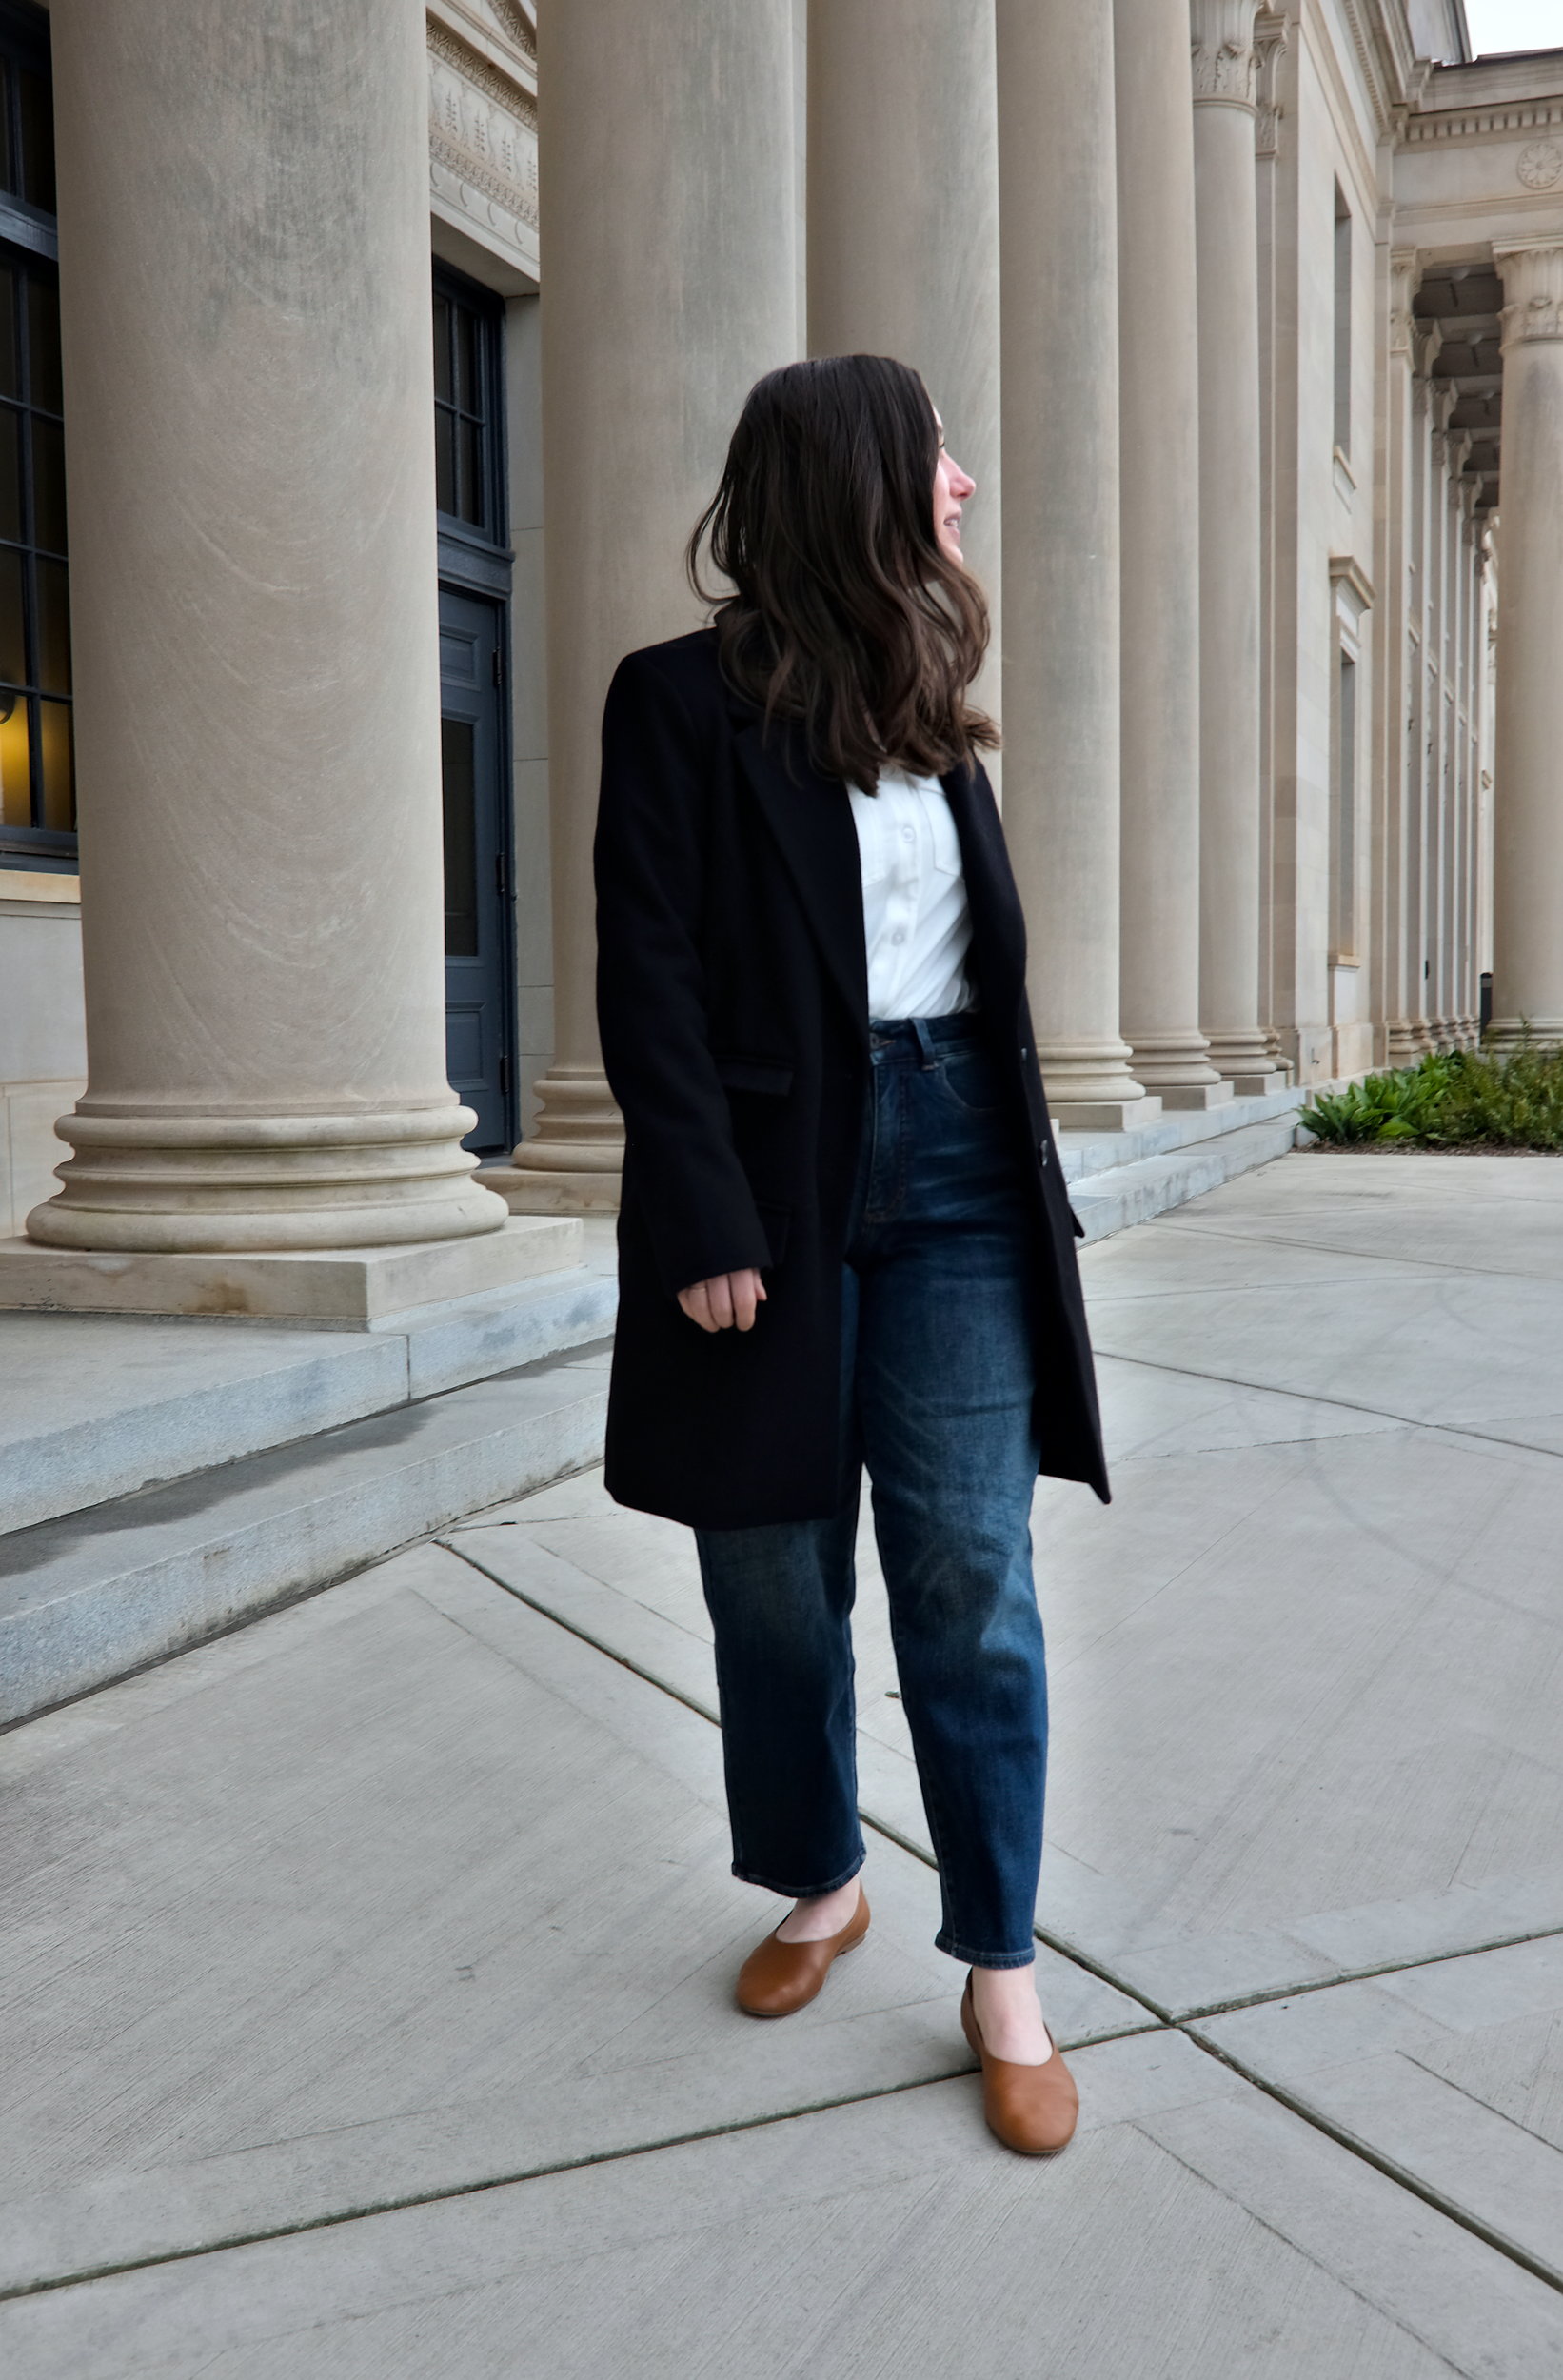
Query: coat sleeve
[650,859]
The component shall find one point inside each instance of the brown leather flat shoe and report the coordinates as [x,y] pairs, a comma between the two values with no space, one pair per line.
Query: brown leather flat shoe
[1031,2109]
[782,1976]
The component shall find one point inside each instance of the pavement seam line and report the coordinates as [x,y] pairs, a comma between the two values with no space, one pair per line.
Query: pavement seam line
[367,2212]
[1163,2014]
[1392,2171]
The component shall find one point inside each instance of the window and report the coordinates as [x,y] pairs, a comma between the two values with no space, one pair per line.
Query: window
[467,475]
[37,782]
[1343,324]
[1343,838]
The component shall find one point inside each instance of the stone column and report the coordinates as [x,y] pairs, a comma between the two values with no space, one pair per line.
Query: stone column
[245,289]
[1442,401]
[903,227]
[1528,854]
[1058,265]
[1395,662]
[666,187]
[1226,215]
[1159,359]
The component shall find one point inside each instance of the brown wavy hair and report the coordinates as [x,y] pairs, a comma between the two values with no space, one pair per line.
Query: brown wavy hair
[846,614]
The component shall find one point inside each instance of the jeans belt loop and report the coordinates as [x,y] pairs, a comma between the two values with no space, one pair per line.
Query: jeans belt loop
[925,1044]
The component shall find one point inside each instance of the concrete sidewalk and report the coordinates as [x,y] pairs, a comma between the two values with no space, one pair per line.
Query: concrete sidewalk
[367,1972]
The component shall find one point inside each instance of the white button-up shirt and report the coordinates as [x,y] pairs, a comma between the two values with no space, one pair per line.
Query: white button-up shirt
[915,922]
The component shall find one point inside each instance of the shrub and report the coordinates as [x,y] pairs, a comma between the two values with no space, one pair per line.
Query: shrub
[1453,1099]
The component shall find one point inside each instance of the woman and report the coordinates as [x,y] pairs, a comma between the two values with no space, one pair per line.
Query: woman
[844,1237]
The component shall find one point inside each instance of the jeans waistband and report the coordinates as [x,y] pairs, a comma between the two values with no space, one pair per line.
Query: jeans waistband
[906,1039]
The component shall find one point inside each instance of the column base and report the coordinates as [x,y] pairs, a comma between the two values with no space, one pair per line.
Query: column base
[572,1164]
[1261,1083]
[152,1181]
[1125,1115]
[1200,1094]
[338,1285]
[548,1192]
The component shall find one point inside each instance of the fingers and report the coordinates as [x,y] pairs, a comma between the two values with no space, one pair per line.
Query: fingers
[728,1302]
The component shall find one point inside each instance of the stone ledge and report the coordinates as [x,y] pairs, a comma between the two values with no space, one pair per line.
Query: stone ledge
[95,1406]
[88,1597]
[317,1285]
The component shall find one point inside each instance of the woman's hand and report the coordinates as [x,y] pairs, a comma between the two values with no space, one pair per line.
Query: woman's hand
[727,1302]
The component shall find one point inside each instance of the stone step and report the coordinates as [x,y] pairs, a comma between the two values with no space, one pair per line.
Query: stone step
[1122,1195]
[1085,1154]
[94,1406]
[88,1597]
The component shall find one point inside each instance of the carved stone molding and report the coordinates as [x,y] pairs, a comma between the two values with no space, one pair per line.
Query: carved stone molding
[1346,573]
[1222,48]
[1270,49]
[1405,279]
[1537,115]
[1532,284]
[482,140]
[1426,339]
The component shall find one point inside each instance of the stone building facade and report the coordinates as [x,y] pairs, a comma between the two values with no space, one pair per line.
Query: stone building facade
[1235,312]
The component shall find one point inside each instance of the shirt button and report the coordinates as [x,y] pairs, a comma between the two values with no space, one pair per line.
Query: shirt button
[899,934]
[908,833]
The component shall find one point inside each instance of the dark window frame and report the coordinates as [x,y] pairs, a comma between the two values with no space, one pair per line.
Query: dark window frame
[483,388]
[29,250]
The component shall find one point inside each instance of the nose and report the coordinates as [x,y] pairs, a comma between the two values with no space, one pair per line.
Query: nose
[962,483]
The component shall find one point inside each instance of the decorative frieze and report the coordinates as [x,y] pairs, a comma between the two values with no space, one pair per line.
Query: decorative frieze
[1538,115]
[482,127]
[1532,284]
[1222,48]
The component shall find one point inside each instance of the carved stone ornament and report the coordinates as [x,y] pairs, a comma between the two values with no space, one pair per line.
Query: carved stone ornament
[1270,48]
[1405,277]
[1222,48]
[1533,283]
[483,126]
[1539,164]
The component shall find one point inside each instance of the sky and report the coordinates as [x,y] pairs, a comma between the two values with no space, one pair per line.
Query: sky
[1515,24]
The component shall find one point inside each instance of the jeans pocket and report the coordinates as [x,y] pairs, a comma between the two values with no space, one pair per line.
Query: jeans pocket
[969,1080]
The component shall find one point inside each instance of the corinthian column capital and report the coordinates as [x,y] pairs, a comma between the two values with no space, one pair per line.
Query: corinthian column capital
[1532,284]
[1222,45]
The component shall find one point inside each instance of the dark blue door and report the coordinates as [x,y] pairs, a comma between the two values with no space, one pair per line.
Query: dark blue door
[478,971]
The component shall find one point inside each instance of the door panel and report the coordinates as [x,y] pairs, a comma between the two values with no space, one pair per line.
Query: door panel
[479,1001]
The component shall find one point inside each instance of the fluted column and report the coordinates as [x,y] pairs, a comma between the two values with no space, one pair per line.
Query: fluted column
[1226,224]
[246,398]
[667,186]
[1528,853]
[1058,266]
[1159,359]
[903,225]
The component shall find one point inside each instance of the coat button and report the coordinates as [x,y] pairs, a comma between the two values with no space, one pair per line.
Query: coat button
[1024,1052]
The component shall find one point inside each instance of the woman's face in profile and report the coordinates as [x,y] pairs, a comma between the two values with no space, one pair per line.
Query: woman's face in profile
[952,486]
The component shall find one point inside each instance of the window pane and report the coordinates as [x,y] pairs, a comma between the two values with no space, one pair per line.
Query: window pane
[456,755]
[445,460]
[469,384]
[37,112]
[471,449]
[58,770]
[44,344]
[10,380]
[53,627]
[11,473]
[15,782]
[49,485]
[13,669]
[442,348]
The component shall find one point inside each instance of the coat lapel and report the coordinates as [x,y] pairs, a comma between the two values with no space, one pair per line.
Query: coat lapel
[811,818]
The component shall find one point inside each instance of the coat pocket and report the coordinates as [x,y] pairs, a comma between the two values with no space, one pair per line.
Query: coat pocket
[735,1072]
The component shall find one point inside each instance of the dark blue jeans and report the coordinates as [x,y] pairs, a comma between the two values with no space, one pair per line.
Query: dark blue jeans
[939,1367]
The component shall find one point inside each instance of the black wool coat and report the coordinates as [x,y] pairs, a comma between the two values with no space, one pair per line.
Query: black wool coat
[733,999]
